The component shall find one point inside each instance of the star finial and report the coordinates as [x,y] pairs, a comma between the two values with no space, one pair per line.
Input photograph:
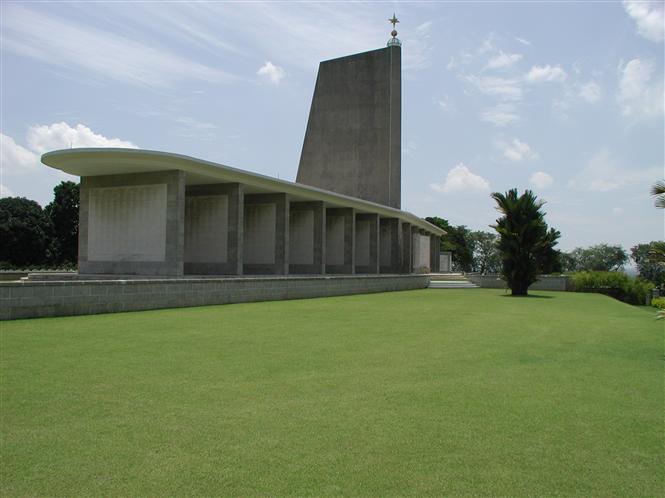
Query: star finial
[393,21]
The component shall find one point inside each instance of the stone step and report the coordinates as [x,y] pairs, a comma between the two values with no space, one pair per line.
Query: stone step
[454,284]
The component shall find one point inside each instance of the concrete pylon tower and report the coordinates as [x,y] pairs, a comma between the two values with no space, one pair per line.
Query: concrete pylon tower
[353,140]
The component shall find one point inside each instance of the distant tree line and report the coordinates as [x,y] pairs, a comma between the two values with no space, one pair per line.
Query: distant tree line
[524,246]
[33,237]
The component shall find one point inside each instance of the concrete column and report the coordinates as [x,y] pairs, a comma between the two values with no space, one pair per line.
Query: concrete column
[407,247]
[367,243]
[415,232]
[433,253]
[266,234]
[390,247]
[340,240]
[307,238]
[132,224]
[214,229]
[435,245]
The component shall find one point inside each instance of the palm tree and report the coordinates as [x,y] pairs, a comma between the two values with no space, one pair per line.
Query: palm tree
[523,237]
[658,191]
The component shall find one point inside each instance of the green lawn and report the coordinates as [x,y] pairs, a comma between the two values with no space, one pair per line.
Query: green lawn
[432,392]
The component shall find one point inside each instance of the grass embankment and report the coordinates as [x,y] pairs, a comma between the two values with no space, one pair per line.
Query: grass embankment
[457,392]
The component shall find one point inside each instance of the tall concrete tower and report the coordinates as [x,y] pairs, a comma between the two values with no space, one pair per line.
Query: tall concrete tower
[353,141]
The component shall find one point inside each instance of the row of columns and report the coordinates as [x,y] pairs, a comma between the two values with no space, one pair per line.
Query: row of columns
[273,235]
[220,229]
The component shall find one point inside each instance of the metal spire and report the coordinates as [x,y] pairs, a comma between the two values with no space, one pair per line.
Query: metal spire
[394,41]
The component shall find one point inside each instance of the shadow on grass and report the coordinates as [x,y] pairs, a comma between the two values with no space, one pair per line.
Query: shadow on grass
[528,296]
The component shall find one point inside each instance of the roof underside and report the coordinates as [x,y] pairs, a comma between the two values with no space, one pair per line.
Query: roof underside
[113,161]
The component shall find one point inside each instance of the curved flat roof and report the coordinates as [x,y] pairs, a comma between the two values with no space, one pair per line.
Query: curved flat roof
[114,161]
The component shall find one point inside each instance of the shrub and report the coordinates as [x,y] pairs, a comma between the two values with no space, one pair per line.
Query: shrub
[658,302]
[614,284]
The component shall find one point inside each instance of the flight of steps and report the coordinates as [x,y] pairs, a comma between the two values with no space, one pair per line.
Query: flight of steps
[450,281]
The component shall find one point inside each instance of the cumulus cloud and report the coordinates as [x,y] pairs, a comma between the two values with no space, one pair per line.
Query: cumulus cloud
[523,41]
[461,179]
[14,158]
[271,72]
[500,115]
[603,173]
[43,138]
[541,180]
[590,92]
[5,192]
[17,159]
[638,94]
[539,74]
[649,17]
[503,60]
[515,150]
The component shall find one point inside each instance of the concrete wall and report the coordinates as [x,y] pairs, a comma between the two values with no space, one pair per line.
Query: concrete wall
[266,234]
[445,261]
[367,243]
[407,247]
[545,282]
[43,299]
[307,237]
[421,252]
[214,229]
[390,251]
[340,240]
[132,224]
[353,140]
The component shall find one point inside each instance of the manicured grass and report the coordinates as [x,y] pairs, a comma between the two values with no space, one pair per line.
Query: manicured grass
[432,392]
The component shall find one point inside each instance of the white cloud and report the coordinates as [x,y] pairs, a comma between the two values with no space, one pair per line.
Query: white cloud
[523,41]
[539,74]
[72,46]
[617,210]
[271,72]
[649,17]
[14,158]
[590,92]
[43,138]
[507,89]
[516,150]
[603,173]
[461,179]
[500,115]
[5,192]
[541,180]
[503,60]
[638,94]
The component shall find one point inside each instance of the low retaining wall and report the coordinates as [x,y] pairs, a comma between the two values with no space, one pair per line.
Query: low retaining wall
[85,297]
[545,282]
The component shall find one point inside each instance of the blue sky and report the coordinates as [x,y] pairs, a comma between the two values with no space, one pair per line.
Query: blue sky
[562,98]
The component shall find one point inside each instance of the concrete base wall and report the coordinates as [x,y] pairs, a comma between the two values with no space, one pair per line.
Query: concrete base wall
[545,282]
[85,297]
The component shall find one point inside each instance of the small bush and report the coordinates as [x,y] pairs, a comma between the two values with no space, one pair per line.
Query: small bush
[614,284]
[658,302]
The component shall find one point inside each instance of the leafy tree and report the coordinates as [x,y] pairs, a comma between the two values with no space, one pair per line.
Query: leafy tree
[25,232]
[647,261]
[658,191]
[63,212]
[549,259]
[457,239]
[523,237]
[601,257]
[486,256]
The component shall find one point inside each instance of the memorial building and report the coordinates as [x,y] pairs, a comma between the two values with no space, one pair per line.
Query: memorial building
[153,213]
